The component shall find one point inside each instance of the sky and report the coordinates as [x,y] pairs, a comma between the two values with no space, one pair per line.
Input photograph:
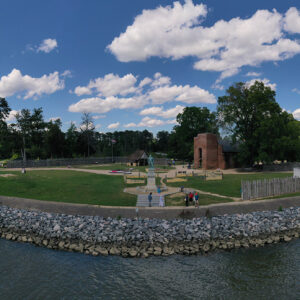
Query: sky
[135,65]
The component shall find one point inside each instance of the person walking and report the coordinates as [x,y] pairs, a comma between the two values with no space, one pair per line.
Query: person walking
[186,200]
[161,201]
[196,199]
[150,198]
[191,196]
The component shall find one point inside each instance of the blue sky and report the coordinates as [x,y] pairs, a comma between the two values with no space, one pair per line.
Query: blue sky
[135,64]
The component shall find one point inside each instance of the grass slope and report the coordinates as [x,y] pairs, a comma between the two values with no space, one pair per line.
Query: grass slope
[229,186]
[67,186]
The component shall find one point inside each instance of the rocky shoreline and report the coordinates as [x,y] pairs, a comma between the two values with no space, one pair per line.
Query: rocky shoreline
[144,237]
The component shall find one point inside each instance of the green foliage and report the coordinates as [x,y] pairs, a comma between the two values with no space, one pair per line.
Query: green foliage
[255,120]
[192,121]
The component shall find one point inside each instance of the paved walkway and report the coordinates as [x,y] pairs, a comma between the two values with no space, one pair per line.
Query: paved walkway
[149,212]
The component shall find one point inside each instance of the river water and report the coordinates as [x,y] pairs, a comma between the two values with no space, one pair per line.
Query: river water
[29,272]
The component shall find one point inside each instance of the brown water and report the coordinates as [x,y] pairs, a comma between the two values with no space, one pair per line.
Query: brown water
[29,272]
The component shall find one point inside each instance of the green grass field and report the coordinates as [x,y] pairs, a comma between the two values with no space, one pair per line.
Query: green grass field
[67,186]
[230,186]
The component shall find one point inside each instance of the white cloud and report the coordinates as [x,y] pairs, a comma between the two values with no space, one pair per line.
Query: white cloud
[67,73]
[113,125]
[145,81]
[47,45]
[98,117]
[175,32]
[130,125]
[82,90]
[53,119]
[159,91]
[109,85]
[97,126]
[292,20]
[104,105]
[12,116]
[150,122]
[160,80]
[296,114]
[186,94]
[253,74]
[170,113]
[90,126]
[15,83]
[265,81]
[296,91]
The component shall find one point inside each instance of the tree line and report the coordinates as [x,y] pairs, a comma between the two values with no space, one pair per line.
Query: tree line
[247,116]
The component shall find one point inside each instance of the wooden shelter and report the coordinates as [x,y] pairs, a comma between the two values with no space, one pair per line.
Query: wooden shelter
[138,158]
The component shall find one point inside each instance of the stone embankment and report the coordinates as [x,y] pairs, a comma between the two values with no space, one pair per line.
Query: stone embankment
[144,237]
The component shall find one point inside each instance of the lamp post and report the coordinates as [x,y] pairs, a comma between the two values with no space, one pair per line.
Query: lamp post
[113,141]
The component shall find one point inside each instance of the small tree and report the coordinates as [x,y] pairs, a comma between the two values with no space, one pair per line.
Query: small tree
[87,128]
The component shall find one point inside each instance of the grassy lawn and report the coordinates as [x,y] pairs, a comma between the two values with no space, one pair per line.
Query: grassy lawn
[67,186]
[229,186]
[179,200]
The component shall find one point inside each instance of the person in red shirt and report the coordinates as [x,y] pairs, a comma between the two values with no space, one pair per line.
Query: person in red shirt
[191,196]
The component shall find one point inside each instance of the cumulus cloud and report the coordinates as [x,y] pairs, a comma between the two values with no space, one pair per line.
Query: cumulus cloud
[15,82]
[147,122]
[159,111]
[145,81]
[113,125]
[104,105]
[176,32]
[292,20]
[12,116]
[125,92]
[265,81]
[186,94]
[296,114]
[109,85]
[47,45]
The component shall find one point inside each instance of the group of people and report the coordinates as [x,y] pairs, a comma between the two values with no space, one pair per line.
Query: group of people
[192,198]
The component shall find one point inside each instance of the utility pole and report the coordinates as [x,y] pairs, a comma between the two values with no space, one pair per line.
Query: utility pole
[113,141]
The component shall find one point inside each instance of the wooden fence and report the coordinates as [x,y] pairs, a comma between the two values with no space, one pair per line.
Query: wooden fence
[269,187]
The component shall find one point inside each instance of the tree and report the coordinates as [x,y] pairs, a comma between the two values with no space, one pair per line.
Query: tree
[162,141]
[192,121]
[4,132]
[87,128]
[258,123]
[72,137]
[54,139]
[31,128]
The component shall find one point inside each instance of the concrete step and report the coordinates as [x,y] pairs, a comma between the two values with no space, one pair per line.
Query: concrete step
[142,200]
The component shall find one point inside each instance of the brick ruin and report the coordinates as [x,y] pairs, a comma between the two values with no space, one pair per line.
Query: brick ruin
[213,153]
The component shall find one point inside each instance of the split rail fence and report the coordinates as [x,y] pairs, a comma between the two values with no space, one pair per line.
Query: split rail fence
[269,187]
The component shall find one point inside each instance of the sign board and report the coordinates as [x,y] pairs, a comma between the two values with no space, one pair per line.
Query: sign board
[296,172]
